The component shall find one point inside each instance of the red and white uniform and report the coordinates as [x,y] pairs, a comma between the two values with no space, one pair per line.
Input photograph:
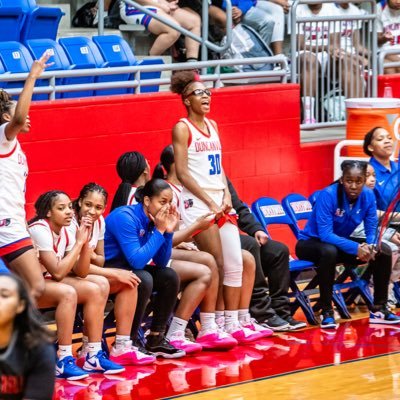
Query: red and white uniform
[131,199]
[205,166]
[347,28]
[388,20]
[44,239]
[13,172]
[99,229]
[176,192]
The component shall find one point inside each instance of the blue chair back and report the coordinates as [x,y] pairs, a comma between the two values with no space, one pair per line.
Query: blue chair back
[150,75]
[3,85]
[25,5]
[298,208]
[3,268]
[11,21]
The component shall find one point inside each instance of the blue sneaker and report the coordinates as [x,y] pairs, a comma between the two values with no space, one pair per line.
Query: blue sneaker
[328,320]
[100,363]
[383,316]
[66,368]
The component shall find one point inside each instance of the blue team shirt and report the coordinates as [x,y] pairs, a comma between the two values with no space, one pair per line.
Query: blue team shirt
[386,182]
[333,225]
[132,241]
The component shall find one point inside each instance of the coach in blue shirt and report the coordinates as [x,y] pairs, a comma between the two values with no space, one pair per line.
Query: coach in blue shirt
[139,237]
[378,144]
[326,241]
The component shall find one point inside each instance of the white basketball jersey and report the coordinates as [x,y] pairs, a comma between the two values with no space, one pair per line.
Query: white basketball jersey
[13,173]
[99,228]
[347,28]
[204,156]
[388,20]
[176,191]
[45,239]
[131,198]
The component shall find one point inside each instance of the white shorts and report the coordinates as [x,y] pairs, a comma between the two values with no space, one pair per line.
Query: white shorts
[13,236]
[191,207]
[322,57]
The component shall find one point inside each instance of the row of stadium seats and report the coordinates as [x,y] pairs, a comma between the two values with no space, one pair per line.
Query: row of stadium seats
[22,20]
[75,53]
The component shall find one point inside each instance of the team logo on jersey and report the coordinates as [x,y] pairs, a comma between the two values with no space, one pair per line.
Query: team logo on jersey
[339,212]
[5,222]
[142,232]
[188,203]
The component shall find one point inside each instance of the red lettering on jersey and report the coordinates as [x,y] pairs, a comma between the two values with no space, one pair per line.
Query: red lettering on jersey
[11,384]
[207,146]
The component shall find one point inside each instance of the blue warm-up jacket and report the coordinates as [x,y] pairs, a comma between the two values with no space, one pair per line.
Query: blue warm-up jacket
[132,241]
[333,225]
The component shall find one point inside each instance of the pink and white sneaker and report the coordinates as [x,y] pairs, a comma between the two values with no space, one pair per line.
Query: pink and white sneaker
[130,355]
[178,340]
[243,335]
[252,324]
[215,339]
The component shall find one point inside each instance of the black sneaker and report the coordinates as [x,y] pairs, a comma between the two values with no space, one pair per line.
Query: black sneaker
[159,346]
[276,323]
[294,324]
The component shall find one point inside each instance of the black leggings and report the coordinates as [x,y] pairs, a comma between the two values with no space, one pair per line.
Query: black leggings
[165,282]
[325,256]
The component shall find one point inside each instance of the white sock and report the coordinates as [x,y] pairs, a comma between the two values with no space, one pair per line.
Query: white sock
[177,325]
[231,319]
[220,319]
[244,316]
[93,348]
[308,107]
[207,321]
[120,341]
[64,351]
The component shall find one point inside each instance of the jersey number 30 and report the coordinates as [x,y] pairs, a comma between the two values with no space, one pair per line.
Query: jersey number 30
[215,164]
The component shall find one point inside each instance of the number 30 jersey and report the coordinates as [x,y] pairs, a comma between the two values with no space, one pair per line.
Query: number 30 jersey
[204,156]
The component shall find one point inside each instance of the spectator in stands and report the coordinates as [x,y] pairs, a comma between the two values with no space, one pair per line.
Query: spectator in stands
[26,350]
[166,36]
[166,170]
[91,204]
[266,17]
[139,238]
[378,144]
[197,151]
[388,27]
[326,241]
[15,243]
[66,260]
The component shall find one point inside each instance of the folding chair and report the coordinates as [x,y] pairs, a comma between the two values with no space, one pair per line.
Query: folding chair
[269,211]
[299,208]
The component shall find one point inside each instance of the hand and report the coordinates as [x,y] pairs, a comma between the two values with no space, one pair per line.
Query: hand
[236,15]
[337,54]
[226,202]
[164,5]
[216,210]
[83,234]
[126,277]
[160,220]
[189,246]
[172,218]
[364,252]
[40,65]
[173,5]
[204,222]
[261,237]
[388,37]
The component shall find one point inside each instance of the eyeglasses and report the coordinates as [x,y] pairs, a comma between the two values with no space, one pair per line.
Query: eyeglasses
[199,92]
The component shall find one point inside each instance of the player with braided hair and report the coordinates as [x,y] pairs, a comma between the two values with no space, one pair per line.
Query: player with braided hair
[15,243]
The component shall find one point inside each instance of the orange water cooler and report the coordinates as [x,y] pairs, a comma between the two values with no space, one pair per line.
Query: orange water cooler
[366,113]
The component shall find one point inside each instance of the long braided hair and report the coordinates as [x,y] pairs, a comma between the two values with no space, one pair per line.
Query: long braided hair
[44,203]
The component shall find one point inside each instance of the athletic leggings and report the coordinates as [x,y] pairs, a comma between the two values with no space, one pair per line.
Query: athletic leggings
[325,256]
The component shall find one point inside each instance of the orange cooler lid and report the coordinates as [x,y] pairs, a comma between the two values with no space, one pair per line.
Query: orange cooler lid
[373,102]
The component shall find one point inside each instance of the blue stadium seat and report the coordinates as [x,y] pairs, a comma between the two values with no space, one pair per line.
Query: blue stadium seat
[40,22]
[3,268]
[11,21]
[37,47]
[15,59]
[82,53]
[116,53]
[269,211]
[3,85]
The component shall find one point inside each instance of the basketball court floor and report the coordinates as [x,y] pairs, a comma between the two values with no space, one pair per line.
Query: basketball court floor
[357,361]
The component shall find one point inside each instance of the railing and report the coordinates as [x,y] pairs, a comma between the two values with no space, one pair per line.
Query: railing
[382,64]
[217,78]
[328,68]
[203,39]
